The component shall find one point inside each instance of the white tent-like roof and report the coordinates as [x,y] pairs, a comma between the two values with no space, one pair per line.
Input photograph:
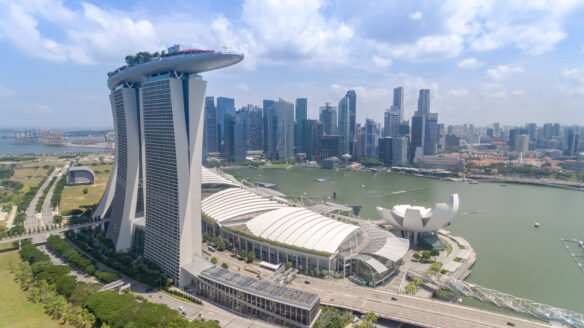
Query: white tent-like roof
[300,227]
[210,177]
[233,203]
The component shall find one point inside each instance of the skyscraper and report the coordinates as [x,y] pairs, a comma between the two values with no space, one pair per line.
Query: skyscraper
[424,102]
[344,127]
[399,151]
[391,122]
[311,139]
[523,143]
[572,143]
[431,134]
[441,138]
[253,127]
[352,95]
[385,150]
[371,138]
[328,119]
[417,134]
[398,102]
[209,128]
[284,121]
[269,127]
[300,125]
[158,117]
[225,112]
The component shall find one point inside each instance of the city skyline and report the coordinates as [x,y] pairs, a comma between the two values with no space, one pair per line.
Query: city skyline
[483,62]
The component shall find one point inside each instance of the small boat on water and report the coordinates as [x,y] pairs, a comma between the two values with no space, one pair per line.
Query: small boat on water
[473,182]
[362,186]
[536,224]
[503,185]
[320,180]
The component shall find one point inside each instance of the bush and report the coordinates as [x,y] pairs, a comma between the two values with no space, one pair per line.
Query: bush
[77,259]
[107,277]
[214,260]
[224,265]
[53,273]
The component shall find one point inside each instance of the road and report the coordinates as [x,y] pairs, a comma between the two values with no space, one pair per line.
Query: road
[41,237]
[426,312]
[11,216]
[226,318]
[47,211]
[32,221]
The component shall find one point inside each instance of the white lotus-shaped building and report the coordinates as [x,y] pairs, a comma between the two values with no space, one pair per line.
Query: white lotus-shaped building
[420,219]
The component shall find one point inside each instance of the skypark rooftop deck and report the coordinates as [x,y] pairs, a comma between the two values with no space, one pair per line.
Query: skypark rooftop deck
[184,62]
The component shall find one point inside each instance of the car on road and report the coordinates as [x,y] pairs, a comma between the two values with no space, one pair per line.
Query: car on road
[394,299]
[509,323]
[181,308]
[307,282]
[211,249]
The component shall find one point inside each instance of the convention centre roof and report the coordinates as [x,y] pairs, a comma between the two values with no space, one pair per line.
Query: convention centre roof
[211,178]
[234,204]
[300,227]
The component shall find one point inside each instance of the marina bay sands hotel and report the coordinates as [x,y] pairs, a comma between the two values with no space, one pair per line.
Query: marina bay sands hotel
[157,107]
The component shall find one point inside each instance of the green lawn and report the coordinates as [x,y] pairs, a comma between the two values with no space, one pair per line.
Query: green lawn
[73,196]
[15,309]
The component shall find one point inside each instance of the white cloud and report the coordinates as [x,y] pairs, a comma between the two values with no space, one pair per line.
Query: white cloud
[470,63]
[573,81]
[456,93]
[517,93]
[90,33]
[5,92]
[416,15]
[503,72]
[242,86]
[381,62]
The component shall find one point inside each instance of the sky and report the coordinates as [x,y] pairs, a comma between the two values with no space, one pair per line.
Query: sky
[512,62]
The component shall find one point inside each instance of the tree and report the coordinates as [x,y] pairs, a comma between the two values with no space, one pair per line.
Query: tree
[371,318]
[224,265]
[426,255]
[250,257]
[221,244]
[214,260]
[242,253]
[234,251]
[85,190]
[288,265]
[434,252]
[417,256]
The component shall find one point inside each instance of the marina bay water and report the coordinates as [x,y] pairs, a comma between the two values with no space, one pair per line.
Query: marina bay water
[514,257]
[10,147]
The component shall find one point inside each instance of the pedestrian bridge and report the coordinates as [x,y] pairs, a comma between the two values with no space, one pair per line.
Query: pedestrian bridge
[46,233]
[540,311]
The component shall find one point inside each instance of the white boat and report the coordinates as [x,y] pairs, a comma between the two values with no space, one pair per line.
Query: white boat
[536,224]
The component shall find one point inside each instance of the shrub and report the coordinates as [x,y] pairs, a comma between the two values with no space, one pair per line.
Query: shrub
[224,265]
[214,260]
[106,276]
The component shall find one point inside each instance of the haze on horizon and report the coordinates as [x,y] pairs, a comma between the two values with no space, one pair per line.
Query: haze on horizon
[512,62]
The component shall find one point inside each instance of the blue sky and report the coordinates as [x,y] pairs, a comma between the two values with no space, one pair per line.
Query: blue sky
[508,61]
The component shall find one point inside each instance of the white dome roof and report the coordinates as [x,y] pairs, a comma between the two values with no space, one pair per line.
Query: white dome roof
[421,219]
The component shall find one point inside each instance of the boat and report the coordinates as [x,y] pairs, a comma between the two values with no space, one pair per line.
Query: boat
[473,182]
[320,180]
[503,185]
[362,186]
[536,224]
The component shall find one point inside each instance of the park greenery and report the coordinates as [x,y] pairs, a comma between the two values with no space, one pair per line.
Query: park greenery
[80,305]
[6,171]
[330,317]
[129,264]
[61,295]
[370,162]
[434,268]
[412,286]
[58,192]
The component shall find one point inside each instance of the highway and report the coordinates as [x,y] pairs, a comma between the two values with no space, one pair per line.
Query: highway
[32,221]
[47,210]
[408,309]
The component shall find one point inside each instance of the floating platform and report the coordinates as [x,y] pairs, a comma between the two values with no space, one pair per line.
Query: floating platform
[576,251]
